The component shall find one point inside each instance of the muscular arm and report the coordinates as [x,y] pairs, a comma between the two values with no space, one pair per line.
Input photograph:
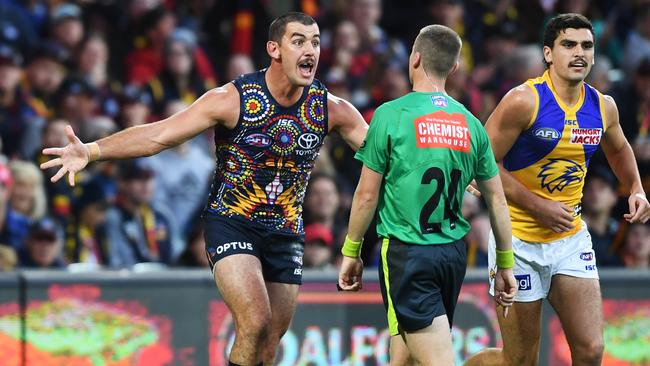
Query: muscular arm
[218,105]
[509,119]
[347,121]
[512,116]
[621,158]
[364,203]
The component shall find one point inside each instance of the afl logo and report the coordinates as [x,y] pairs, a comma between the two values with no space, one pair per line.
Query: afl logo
[547,133]
[308,140]
[258,139]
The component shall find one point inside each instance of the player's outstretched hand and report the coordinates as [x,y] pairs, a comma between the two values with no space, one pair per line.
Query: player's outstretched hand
[639,209]
[72,158]
[505,289]
[350,274]
[554,215]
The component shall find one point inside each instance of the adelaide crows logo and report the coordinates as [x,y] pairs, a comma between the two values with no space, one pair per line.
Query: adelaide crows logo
[559,173]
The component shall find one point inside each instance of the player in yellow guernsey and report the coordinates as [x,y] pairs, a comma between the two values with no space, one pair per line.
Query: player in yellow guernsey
[543,133]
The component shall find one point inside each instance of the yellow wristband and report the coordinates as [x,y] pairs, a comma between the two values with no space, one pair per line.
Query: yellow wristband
[93,151]
[505,259]
[351,248]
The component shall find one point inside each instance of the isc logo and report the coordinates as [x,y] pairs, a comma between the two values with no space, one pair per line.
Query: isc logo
[523,281]
[547,133]
[571,122]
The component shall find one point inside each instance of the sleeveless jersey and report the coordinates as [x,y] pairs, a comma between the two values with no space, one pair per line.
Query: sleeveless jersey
[428,147]
[551,156]
[264,163]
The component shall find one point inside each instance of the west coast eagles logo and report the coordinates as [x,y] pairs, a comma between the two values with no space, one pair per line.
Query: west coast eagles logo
[559,173]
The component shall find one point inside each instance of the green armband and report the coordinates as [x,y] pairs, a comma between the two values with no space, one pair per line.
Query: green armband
[505,259]
[351,248]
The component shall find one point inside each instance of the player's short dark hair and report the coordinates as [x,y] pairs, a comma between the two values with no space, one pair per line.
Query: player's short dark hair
[279,25]
[439,47]
[563,21]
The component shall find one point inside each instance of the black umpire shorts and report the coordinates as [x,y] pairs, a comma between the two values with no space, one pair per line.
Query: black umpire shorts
[420,282]
[280,253]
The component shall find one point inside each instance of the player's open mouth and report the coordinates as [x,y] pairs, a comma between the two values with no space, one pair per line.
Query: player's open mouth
[306,68]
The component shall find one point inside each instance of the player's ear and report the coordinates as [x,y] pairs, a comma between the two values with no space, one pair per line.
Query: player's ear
[547,55]
[416,60]
[273,49]
[454,68]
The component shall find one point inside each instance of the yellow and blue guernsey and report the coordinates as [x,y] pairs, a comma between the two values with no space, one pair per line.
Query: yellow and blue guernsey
[551,156]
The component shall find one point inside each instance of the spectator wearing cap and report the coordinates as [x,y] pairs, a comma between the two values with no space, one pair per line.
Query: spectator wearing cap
[13,226]
[87,241]
[135,106]
[43,247]
[76,101]
[179,79]
[146,61]
[44,75]
[20,124]
[599,199]
[635,252]
[28,193]
[182,177]
[66,27]
[137,231]
[318,246]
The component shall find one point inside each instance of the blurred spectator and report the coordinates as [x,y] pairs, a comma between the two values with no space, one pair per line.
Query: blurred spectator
[87,240]
[137,231]
[43,246]
[634,108]
[76,101]
[525,62]
[92,64]
[318,246]
[27,195]
[181,178]
[15,27]
[322,204]
[194,254]
[598,203]
[13,226]
[135,106]
[45,73]
[460,87]
[635,252]
[66,27]
[238,64]
[20,124]
[146,61]
[179,79]
[599,75]
[60,194]
[637,45]
[8,258]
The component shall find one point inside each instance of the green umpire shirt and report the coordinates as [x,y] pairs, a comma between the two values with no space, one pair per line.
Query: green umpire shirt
[428,147]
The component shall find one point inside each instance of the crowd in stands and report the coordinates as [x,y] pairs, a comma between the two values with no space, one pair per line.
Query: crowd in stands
[102,66]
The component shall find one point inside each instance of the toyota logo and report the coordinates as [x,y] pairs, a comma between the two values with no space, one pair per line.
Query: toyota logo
[308,140]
